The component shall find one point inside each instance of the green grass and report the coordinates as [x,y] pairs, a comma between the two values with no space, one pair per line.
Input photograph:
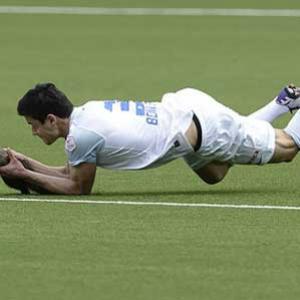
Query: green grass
[52,251]
[277,4]
[65,251]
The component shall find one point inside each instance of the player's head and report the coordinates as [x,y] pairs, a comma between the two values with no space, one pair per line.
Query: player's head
[42,100]
[47,110]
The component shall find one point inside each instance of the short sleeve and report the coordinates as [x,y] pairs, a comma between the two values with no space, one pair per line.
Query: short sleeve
[82,146]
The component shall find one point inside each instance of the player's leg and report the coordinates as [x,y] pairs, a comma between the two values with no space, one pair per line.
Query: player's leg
[288,141]
[230,139]
[287,100]
[213,172]
[285,147]
[267,144]
[285,150]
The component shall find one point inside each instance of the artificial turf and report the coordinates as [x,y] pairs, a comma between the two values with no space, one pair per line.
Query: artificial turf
[81,251]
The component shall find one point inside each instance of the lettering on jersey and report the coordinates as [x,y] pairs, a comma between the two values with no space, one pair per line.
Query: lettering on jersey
[139,108]
[70,144]
[108,104]
[124,106]
[144,109]
[152,117]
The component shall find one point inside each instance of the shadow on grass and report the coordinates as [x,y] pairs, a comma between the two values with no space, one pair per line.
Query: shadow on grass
[206,192]
[167,193]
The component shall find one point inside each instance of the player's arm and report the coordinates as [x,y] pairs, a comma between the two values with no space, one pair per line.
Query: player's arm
[79,181]
[59,171]
[82,148]
[37,166]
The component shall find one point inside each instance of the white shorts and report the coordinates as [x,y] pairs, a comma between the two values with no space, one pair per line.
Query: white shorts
[226,135]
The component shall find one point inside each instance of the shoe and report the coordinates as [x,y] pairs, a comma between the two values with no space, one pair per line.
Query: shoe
[289,96]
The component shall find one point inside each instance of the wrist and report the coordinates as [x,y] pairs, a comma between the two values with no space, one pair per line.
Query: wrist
[26,163]
[24,174]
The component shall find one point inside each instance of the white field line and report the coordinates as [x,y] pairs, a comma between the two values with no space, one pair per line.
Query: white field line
[143,203]
[150,11]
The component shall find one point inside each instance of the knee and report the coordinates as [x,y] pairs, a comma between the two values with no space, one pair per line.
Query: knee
[290,157]
[285,148]
[213,173]
[213,179]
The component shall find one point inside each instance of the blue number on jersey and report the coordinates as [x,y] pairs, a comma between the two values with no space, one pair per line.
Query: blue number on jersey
[124,105]
[108,104]
[141,109]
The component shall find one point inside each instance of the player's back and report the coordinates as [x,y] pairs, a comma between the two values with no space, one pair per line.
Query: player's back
[135,134]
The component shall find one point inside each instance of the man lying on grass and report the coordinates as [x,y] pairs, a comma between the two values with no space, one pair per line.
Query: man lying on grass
[131,135]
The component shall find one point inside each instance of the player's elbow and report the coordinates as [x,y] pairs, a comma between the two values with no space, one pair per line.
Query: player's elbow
[77,189]
[85,192]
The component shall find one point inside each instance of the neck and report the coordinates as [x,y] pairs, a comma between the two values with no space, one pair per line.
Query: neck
[63,127]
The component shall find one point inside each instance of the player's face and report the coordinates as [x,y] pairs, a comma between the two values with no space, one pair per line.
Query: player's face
[47,131]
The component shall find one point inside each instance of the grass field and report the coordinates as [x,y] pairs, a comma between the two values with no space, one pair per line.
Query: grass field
[89,251]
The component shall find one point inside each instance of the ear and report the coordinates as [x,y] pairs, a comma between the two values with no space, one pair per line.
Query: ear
[51,118]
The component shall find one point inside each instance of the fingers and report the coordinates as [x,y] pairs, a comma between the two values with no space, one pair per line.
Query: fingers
[11,155]
[19,156]
[11,150]
[14,168]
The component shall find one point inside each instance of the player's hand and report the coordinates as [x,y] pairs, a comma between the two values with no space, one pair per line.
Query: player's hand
[18,155]
[14,168]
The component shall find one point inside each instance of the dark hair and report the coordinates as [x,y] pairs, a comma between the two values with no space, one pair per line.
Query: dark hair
[42,100]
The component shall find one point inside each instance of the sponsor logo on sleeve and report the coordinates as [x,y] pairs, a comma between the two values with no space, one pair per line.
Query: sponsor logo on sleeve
[70,144]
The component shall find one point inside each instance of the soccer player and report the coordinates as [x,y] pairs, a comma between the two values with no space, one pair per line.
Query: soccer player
[139,135]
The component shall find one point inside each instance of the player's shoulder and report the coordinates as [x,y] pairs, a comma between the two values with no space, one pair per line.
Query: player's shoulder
[87,107]
[85,114]
[82,138]
[70,143]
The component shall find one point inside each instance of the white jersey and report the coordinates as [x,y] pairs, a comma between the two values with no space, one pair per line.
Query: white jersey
[128,135]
